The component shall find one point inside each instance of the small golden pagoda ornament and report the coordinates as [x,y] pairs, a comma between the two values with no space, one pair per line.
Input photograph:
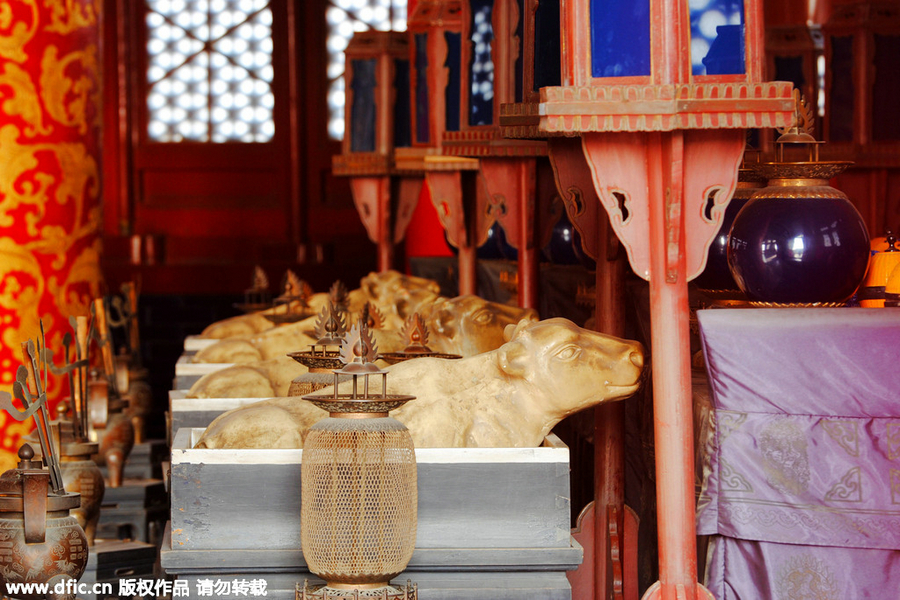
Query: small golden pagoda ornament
[358,496]
[341,297]
[322,357]
[257,297]
[415,333]
[293,304]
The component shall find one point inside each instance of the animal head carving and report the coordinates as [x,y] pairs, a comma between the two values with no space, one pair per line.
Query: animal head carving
[469,325]
[556,354]
[404,293]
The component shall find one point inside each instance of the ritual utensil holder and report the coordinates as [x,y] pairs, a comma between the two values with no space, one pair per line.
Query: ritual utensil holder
[359,488]
[44,542]
[80,474]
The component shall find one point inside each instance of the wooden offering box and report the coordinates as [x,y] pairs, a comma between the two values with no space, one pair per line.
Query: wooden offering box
[198,412]
[188,372]
[487,517]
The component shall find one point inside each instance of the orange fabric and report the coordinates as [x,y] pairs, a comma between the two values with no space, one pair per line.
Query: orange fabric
[49,181]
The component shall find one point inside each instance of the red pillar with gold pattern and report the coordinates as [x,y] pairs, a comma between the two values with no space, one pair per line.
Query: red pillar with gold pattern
[49,180]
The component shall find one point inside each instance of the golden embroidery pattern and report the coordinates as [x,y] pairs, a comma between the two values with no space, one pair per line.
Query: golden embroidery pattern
[848,489]
[803,577]
[893,440]
[785,460]
[727,422]
[49,178]
[845,433]
[731,480]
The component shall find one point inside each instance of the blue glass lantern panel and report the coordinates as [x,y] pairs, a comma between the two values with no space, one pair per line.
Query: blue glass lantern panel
[717,37]
[481,64]
[402,125]
[546,45]
[362,112]
[452,91]
[422,104]
[620,38]
[520,52]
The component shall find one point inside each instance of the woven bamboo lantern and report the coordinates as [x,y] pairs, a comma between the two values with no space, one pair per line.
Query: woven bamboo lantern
[359,496]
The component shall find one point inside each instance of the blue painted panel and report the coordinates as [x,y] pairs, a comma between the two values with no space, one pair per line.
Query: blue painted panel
[717,37]
[620,38]
[362,113]
[422,105]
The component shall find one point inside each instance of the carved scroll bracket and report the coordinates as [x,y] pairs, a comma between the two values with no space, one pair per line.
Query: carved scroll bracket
[619,166]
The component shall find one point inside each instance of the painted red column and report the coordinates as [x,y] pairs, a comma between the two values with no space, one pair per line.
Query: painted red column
[49,181]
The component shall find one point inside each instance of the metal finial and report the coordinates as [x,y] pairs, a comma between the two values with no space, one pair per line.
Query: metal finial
[415,332]
[372,316]
[339,295]
[260,280]
[359,348]
[296,288]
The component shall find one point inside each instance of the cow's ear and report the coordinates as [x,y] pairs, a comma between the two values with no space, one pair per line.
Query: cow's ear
[510,331]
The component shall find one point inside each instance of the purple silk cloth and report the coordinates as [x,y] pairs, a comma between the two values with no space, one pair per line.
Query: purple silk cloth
[746,570]
[804,456]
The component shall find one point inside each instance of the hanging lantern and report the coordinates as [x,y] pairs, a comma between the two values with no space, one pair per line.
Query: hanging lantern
[799,241]
[359,496]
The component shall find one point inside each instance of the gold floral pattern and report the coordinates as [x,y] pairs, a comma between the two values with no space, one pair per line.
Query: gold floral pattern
[845,434]
[66,16]
[848,489]
[803,576]
[16,32]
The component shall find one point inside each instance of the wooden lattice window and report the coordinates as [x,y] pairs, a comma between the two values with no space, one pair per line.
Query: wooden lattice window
[345,18]
[209,71]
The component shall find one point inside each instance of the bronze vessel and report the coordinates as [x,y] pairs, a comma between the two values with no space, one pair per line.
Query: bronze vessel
[44,543]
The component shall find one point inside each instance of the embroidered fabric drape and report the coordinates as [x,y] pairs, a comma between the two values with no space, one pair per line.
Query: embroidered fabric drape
[802,469]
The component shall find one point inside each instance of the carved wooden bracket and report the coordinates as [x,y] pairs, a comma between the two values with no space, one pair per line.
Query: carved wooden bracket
[709,160]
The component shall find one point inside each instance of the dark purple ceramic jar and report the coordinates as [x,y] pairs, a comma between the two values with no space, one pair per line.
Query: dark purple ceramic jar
[716,277]
[799,240]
